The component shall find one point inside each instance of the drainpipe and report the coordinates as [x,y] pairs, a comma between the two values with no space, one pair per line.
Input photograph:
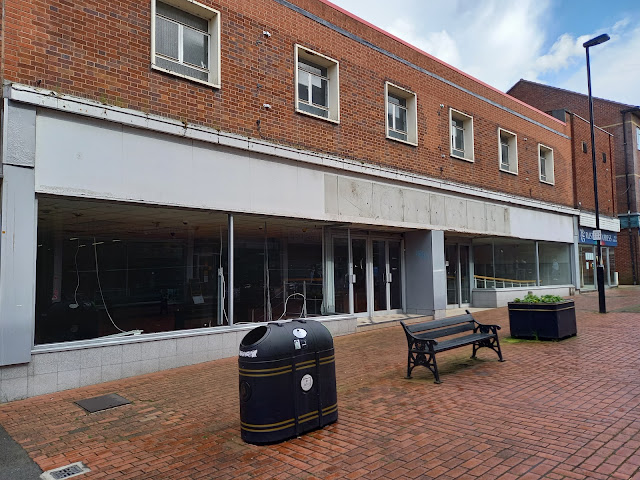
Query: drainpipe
[626,178]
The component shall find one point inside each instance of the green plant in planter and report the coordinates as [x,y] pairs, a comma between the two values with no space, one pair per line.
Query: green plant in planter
[531,298]
[546,317]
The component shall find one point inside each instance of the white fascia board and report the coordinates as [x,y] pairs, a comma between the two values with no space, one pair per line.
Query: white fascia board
[134,118]
[588,219]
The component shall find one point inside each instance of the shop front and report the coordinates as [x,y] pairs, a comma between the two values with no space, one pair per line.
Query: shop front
[587,254]
[505,268]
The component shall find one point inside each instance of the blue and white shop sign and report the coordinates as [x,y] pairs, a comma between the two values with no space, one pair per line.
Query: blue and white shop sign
[609,239]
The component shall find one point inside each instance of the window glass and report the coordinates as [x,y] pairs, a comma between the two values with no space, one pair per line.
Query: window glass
[312,80]
[167,38]
[319,91]
[515,263]
[397,117]
[312,68]
[555,263]
[543,165]
[181,16]
[196,48]
[276,263]
[505,153]
[458,136]
[483,264]
[125,268]
[182,42]
[182,69]
[303,86]
[400,121]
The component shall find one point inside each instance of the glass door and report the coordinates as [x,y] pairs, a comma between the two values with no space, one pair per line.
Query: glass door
[465,277]
[341,282]
[380,275]
[359,256]
[451,265]
[587,266]
[367,275]
[395,275]
[458,270]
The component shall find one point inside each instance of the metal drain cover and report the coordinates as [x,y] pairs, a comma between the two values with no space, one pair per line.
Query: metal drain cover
[67,471]
[103,402]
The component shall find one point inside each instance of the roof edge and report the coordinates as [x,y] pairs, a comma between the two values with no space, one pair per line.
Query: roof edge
[522,80]
[422,52]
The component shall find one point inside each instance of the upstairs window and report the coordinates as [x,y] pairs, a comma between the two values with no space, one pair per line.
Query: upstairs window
[461,130]
[545,158]
[185,40]
[401,114]
[508,151]
[317,91]
[638,138]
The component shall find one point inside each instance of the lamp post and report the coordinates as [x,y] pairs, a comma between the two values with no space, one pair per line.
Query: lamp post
[599,265]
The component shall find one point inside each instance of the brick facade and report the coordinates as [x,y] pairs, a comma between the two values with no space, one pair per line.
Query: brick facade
[608,115]
[101,51]
[624,254]
[583,168]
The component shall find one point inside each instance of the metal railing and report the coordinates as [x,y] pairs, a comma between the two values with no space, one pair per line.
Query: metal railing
[496,282]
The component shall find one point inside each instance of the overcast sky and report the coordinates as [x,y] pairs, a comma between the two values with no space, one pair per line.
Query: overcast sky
[502,41]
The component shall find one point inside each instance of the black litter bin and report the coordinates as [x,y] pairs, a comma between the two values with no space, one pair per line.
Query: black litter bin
[287,380]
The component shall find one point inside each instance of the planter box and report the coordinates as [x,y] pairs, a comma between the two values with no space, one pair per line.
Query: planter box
[545,321]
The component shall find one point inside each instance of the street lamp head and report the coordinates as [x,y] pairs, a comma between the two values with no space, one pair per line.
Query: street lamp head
[596,41]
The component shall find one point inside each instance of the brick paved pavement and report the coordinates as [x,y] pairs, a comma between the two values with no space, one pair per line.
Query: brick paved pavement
[554,410]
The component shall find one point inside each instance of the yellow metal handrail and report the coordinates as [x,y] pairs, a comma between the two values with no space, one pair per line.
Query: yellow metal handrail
[504,281]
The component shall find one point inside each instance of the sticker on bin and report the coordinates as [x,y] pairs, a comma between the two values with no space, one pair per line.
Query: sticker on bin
[306,383]
[299,332]
[250,353]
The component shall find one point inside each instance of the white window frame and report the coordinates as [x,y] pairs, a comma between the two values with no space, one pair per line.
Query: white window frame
[199,10]
[549,179]
[333,78]
[638,138]
[411,100]
[512,144]
[467,126]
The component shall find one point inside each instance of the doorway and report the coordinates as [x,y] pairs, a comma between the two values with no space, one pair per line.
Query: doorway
[367,274]
[458,272]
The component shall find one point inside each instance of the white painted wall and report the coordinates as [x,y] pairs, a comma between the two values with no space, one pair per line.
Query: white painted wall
[494,298]
[79,156]
[539,225]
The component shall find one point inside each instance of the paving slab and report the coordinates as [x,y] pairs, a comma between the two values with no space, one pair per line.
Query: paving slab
[568,409]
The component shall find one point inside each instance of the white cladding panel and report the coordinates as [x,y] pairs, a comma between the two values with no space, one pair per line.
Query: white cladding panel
[538,225]
[83,157]
[79,156]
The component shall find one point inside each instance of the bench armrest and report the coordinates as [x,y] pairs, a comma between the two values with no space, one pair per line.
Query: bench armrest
[421,343]
[485,328]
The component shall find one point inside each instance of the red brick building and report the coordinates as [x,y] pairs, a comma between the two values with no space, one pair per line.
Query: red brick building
[175,171]
[622,121]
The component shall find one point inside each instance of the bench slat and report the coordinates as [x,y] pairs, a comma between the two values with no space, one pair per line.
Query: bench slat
[460,341]
[445,322]
[444,332]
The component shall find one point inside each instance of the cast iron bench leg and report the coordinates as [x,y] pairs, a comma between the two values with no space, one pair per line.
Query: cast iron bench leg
[435,369]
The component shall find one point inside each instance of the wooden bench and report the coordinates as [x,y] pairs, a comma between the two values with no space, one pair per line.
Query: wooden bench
[426,339]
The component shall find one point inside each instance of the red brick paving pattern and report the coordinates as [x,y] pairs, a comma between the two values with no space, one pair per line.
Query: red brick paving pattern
[554,410]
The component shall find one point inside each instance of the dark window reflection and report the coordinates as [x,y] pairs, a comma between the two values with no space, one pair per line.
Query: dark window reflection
[105,269]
